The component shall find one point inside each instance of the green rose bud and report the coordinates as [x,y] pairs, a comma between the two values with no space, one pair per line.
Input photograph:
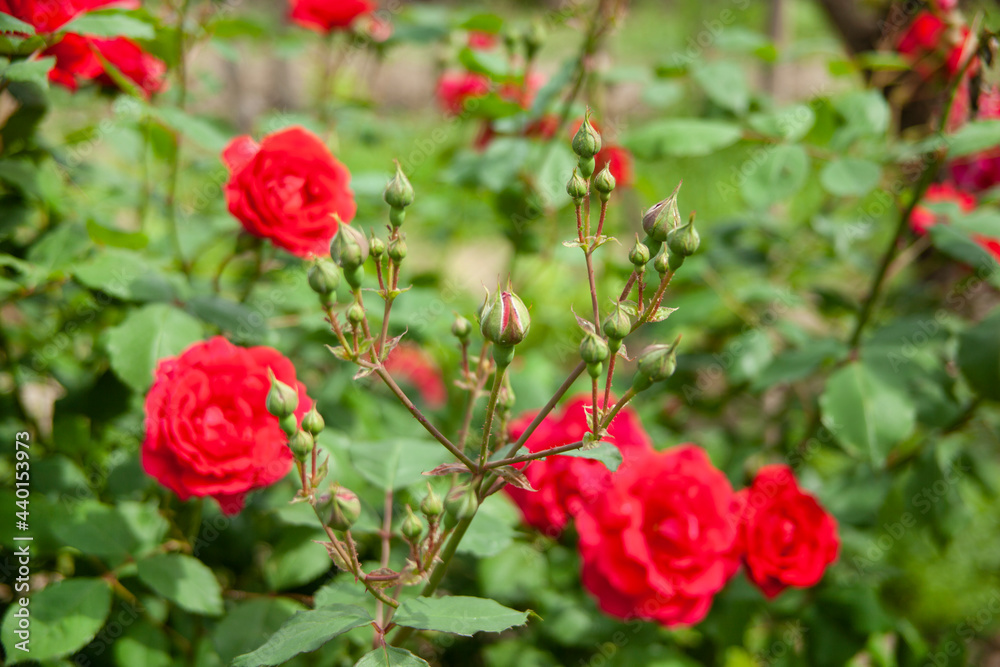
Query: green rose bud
[397,249]
[289,424]
[461,328]
[412,527]
[312,422]
[662,262]
[604,182]
[356,313]
[534,38]
[431,505]
[617,325]
[398,192]
[586,141]
[576,187]
[639,254]
[684,241]
[376,246]
[461,506]
[655,364]
[349,247]
[324,277]
[281,399]
[346,509]
[594,351]
[505,320]
[301,444]
[662,217]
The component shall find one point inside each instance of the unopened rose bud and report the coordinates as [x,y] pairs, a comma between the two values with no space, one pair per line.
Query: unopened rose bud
[586,141]
[376,246]
[617,325]
[684,241]
[412,527]
[594,351]
[396,217]
[398,192]
[312,422]
[289,424]
[355,314]
[505,320]
[461,328]
[397,249]
[511,39]
[604,182]
[301,444]
[655,364]
[534,38]
[662,262]
[460,507]
[431,505]
[349,248]
[346,509]
[324,277]
[281,399]
[662,217]
[576,187]
[639,254]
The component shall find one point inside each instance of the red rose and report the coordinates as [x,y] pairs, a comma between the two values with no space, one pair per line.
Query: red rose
[329,15]
[480,40]
[930,43]
[923,218]
[77,60]
[786,537]
[455,89]
[287,189]
[660,543]
[50,15]
[619,161]
[208,432]
[408,362]
[566,484]
[981,171]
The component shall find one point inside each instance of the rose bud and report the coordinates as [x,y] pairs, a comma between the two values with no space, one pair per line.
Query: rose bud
[594,351]
[576,187]
[324,277]
[289,425]
[356,313]
[662,262]
[281,399]
[376,246]
[346,509]
[616,326]
[398,192]
[656,364]
[349,248]
[412,527]
[431,505]
[301,444]
[684,241]
[586,141]
[313,422]
[604,182]
[505,323]
[462,506]
[639,254]
[661,218]
[397,249]
[534,38]
[461,328]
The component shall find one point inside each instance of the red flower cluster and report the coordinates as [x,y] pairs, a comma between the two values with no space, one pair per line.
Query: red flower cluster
[665,532]
[80,58]
[208,432]
[923,218]
[287,189]
[455,89]
[408,362]
[938,47]
[981,171]
[329,15]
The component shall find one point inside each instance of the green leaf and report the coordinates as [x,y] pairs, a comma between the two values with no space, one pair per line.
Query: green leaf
[115,237]
[794,365]
[957,244]
[867,416]
[64,618]
[973,137]
[110,23]
[10,24]
[185,581]
[145,337]
[397,463]
[777,176]
[458,614]
[144,645]
[682,137]
[979,356]
[492,529]
[96,529]
[296,559]
[33,71]
[865,112]
[390,656]
[490,63]
[230,316]
[790,124]
[120,273]
[725,84]
[605,452]
[304,632]
[242,627]
[850,177]
[194,128]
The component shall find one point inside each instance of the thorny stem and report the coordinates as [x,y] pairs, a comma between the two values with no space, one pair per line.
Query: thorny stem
[544,412]
[535,455]
[607,382]
[600,222]
[175,169]
[470,404]
[491,407]
[386,539]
